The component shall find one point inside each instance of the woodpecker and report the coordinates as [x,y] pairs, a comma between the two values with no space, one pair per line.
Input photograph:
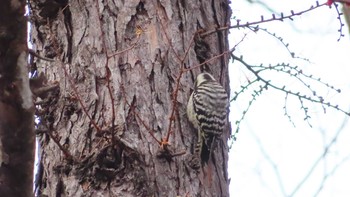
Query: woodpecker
[207,111]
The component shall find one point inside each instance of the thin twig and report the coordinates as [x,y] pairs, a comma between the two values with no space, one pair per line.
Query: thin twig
[274,18]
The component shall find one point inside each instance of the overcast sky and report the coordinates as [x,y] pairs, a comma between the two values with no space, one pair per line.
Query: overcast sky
[271,157]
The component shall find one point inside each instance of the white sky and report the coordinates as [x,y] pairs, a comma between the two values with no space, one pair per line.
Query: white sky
[270,156]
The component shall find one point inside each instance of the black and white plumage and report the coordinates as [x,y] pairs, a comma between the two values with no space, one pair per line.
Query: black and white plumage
[207,111]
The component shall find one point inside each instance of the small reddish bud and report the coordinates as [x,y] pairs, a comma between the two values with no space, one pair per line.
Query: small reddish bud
[330,2]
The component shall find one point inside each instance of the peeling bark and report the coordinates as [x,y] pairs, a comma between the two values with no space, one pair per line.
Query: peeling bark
[117,64]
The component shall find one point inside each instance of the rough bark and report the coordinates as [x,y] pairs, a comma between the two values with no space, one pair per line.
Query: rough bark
[117,64]
[16,105]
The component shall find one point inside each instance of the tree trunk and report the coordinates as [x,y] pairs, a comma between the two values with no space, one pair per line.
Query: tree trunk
[117,125]
[17,140]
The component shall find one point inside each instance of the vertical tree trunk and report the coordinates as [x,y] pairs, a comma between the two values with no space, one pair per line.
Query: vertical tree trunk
[123,88]
[16,104]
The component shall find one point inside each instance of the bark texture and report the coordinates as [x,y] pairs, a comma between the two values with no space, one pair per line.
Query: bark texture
[117,64]
[16,105]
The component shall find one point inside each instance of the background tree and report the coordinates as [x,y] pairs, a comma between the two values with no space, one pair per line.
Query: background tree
[115,123]
[16,106]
